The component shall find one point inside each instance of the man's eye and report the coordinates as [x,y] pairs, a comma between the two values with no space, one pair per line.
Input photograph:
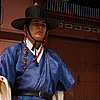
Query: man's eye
[35,24]
[43,25]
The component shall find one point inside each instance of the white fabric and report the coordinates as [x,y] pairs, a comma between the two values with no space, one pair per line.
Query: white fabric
[59,95]
[5,93]
[29,45]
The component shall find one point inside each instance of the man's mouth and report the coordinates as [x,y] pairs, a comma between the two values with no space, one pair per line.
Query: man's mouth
[40,32]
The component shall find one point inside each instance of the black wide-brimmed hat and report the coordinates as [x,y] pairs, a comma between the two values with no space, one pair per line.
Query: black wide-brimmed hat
[34,12]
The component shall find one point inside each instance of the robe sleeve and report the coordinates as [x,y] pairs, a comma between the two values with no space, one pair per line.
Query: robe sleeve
[66,79]
[59,95]
[5,93]
[7,65]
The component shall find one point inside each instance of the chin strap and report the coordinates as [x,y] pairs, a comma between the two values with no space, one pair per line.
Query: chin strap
[35,53]
[36,40]
[35,48]
[25,52]
[35,45]
[36,59]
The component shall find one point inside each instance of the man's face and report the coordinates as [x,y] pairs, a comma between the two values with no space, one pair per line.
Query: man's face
[37,29]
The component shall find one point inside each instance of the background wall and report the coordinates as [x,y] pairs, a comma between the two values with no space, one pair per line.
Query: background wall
[13,9]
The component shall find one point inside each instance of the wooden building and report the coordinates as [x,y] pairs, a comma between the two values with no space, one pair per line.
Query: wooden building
[76,41]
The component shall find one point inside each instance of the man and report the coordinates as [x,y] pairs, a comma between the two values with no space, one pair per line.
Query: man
[33,71]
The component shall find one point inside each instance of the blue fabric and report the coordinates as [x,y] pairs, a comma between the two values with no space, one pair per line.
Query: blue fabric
[51,75]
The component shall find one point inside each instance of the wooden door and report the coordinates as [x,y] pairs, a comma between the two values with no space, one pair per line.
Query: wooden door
[82,57]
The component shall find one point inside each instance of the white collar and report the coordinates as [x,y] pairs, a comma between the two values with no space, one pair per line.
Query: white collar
[29,45]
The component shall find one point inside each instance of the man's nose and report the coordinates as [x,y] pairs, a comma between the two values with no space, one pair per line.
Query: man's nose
[40,27]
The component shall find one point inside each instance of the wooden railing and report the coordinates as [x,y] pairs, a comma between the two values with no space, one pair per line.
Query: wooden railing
[66,8]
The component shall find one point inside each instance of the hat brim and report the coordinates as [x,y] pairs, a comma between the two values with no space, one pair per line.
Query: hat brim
[19,23]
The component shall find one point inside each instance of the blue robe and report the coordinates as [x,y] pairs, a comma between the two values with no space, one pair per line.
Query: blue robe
[51,75]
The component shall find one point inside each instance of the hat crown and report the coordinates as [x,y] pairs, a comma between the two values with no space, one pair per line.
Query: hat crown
[36,11]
